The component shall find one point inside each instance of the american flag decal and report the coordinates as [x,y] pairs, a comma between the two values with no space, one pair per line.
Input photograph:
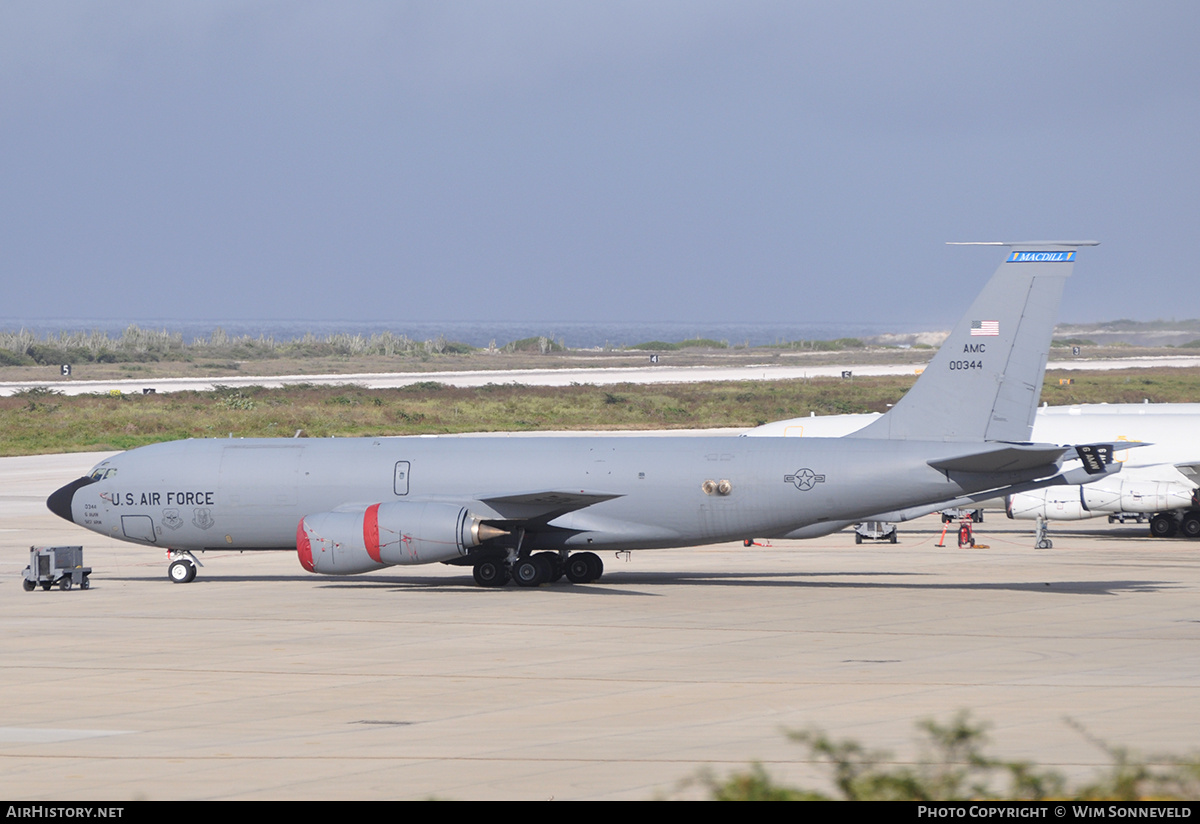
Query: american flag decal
[989,328]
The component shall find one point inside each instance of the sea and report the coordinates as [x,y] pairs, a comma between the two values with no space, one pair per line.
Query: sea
[576,335]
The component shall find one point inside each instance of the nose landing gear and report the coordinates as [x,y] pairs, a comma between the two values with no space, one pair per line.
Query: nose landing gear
[182,569]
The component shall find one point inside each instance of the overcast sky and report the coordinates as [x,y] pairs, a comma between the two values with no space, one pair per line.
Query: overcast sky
[626,161]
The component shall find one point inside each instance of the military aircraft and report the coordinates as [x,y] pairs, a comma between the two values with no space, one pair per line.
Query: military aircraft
[537,508]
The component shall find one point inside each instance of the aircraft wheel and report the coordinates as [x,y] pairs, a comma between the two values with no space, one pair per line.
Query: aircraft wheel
[857,538]
[1191,525]
[528,572]
[64,584]
[490,573]
[554,565]
[182,571]
[578,569]
[29,585]
[1045,543]
[892,537]
[597,566]
[1163,525]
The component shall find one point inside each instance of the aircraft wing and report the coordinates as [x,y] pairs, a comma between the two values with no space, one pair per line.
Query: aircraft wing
[541,506]
[1191,470]
[531,508]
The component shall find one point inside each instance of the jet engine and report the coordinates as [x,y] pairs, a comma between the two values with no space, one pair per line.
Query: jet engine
[1054,504]
[1139,496]
[1071,503]
[386,534]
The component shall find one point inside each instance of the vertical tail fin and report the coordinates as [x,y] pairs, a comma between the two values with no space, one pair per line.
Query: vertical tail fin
[985,381]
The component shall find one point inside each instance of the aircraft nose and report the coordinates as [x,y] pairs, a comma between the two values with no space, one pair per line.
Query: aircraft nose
[60,500]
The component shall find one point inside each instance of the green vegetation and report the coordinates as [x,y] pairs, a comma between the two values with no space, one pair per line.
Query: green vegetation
[953,766]
[41,420]
[541,345]
[691,343]
[1127,325]
[836,345]
[136,345]
[28,425]
[223,351]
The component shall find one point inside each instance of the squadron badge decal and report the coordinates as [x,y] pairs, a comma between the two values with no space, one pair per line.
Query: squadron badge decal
[203,518]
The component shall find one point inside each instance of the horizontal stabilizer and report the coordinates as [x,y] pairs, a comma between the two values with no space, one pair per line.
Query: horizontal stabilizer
[1074,477]
[1003,458]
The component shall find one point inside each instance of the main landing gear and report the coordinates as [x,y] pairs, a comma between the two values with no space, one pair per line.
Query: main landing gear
[539,568]
[182,569]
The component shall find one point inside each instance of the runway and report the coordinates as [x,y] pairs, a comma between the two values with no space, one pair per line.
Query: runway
[260,681]
[604,376]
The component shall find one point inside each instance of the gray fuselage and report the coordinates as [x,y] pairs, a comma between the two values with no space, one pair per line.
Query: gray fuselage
[251,494]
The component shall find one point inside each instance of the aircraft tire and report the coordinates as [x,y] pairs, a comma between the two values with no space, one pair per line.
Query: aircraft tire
[182,571]
[529,572]
[1190,527]
[1163,525]
[597,566]
[490,573]
[578,568]
[554,565]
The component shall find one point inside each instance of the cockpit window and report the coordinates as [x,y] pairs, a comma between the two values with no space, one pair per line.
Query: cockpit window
[99,474]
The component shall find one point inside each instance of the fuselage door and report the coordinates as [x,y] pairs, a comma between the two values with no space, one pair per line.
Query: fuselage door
[400,484]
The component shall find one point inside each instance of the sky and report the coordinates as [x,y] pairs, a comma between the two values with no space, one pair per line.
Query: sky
[609,161]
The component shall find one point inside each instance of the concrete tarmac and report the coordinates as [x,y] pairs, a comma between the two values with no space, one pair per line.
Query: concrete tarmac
[260,681]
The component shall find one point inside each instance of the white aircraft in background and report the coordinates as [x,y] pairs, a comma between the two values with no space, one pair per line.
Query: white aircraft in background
[1159,479]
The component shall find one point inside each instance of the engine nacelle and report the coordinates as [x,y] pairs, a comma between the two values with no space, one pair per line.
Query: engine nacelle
[1053,503]
[1139,496]
[401,532]
[1074,503]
